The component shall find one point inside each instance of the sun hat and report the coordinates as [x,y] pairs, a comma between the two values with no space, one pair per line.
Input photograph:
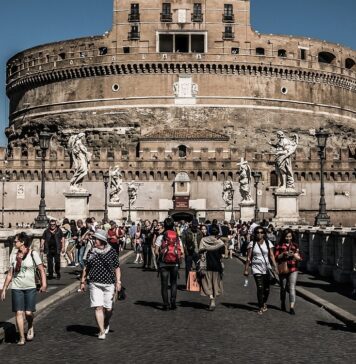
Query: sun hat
[66,226]
[101,235]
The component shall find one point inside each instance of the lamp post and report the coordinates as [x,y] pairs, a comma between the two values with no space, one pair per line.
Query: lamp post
[106,184]
[322,218]
[257,176]
[232,206]
[41,220]
[3,180]
[129,192]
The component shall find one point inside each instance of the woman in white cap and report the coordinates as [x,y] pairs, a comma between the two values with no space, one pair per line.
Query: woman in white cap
[102,269]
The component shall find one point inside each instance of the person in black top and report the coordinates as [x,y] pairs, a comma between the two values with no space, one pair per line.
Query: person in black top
[147,239]
[52,244]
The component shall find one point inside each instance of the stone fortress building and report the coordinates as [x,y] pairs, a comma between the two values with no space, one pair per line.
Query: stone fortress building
[176,94]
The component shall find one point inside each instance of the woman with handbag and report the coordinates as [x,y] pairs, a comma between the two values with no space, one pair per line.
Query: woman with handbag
[22,273]
[260,256]
[287,256]
[211,250]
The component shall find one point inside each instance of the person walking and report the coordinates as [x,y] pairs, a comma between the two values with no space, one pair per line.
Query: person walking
[259,256]
[22,272]
[211,251]
[102,269]
[191,238]
[288,256]
[147,239]
[113,236]
[137,244]
[169,250]
[52,244]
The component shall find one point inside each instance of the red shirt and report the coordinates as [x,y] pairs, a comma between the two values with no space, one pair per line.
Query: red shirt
[285,247]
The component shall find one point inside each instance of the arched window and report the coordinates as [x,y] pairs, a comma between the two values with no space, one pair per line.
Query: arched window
[274,179]
[182,151]
[349,63]
[326,57]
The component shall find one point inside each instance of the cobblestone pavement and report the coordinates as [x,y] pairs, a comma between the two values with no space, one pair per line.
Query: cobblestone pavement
[142,333]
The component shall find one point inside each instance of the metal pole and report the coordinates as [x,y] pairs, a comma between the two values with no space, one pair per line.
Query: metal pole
[3,202]
[256,198]
[42,220]
[232,206]
[322,218]
[129,217]
[106,214]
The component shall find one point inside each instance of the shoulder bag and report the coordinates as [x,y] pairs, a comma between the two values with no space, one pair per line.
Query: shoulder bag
[272,277]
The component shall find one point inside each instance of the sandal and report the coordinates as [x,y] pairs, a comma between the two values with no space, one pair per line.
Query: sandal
[259,312]
[30,334]
[21,342]
[264,308]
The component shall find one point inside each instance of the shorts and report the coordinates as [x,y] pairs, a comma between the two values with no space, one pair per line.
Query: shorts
[24,299]
[101,295]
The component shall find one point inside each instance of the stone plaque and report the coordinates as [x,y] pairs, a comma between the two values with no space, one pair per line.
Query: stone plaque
[182,16]
[181,203]
[20,192]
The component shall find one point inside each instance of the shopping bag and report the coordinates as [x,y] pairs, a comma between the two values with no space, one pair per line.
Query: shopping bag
[192,283]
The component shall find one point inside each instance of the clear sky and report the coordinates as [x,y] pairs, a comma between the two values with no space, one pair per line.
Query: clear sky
[27,23]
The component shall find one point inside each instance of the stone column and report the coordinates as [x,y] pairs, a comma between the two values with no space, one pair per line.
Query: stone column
[327,262]
[345,253]
[314,251]
[77,205]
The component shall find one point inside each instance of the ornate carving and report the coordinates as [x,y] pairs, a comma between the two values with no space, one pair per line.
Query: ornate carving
[115,184]
[227,193]
[245,181]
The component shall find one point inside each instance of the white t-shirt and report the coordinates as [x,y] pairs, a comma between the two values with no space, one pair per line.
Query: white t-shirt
[258,260]
[25,278]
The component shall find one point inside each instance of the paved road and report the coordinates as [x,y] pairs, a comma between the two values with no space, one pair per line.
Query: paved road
[143,333]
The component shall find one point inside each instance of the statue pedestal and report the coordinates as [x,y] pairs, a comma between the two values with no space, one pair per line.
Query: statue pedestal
[76,204]
[286,207]
[247,211]
[228,214]
[115,210]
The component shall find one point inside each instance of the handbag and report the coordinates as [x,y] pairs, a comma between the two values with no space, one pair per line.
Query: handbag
[192,282]
[271,275]
[121,295]
[37,273]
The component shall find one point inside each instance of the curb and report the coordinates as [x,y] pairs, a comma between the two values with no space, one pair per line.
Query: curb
[41,306]
[342,315]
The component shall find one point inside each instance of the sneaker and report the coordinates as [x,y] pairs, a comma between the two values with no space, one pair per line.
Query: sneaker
[30,334]
[259,312]
[173,306]
[58,276]
[107,330]
[264,308]
[102,336]
[165,308]
[283,306]
[292,312]
[212,305]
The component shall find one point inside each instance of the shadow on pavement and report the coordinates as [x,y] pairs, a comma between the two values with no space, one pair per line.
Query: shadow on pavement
[336,326]
[155,305]
[273,307]
[83,330]
[196,305]
[239,306]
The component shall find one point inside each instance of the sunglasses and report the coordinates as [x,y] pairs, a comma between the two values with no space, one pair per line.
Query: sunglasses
[260,232]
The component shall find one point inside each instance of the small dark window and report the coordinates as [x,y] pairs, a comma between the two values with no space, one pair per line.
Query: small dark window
[282,53]
[138,147]
[166,15]
[61,56]
[326,57]
[135,12]
[228,15]
[260,51]
[274,179]
[103,51]
[182,43]
[349,63]
[303,54]
[197,15]
[197,42]
[182,151]
[235,50]
[14,69]
[228,34]
[126,49]
[166,43]
[134,34]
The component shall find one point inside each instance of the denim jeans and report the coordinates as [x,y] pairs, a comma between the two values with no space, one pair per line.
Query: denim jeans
[262,285]
[171,274]
[147,254]
[81,251]
[56,258]
[288,282]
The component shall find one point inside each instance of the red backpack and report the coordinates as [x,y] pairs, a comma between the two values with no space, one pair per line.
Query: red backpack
[171,251]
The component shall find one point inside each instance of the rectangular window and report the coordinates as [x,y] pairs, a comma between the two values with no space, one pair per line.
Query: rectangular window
[134,15]
[182,43]
[135,8]
[126,49]
[303,54]
[235,50]
[197,43]
[228,34]
[197,15]
[166,43]
[228,15]
[134,34]
[166,15]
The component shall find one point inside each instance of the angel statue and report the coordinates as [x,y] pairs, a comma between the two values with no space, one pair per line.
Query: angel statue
[285,148]
[132,192]
[245,181]
[227,194]
[80,161]
[115,183]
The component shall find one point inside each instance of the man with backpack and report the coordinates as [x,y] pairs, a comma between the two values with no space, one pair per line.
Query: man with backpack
[169,248]
[191,240]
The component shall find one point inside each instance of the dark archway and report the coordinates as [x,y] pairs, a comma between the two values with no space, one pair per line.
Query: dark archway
[186,215]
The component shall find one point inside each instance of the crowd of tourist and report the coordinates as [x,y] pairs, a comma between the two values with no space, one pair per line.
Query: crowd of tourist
[92,248]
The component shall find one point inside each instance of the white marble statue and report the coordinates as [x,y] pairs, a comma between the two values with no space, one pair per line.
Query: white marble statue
[132,192]
[80,160]
[227,194]
[285,148]
[115,184]
[245,181]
